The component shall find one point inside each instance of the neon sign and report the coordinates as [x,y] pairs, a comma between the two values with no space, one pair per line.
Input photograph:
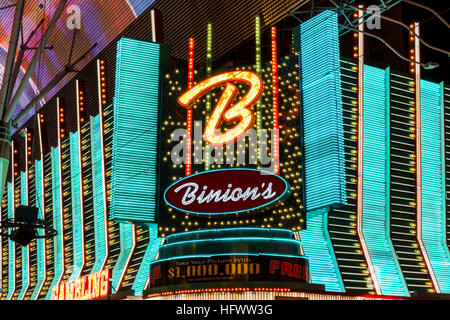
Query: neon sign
[90,287]
[223,110]
[226,191]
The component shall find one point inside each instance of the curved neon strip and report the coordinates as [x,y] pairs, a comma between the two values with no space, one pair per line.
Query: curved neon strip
[433,182]
[376,183]
[419,160]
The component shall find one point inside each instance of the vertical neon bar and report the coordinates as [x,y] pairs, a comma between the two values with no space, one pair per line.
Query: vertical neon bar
[419,158]
[12,244]
[58,204]
[41,245]
[26,274]
[101,75]
[258,115]
[189,111]
[208,96]
[77,189]
[276,127]
[359,184]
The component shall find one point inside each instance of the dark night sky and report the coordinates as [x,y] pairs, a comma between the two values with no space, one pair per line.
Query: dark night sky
[434,32]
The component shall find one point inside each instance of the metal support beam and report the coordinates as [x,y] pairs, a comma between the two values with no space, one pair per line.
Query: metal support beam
[12,48]
[67,69]
[15,100]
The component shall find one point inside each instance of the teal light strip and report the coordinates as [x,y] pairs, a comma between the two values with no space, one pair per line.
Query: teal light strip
[77,217]
[375,219]
[40,243]
[433,182]
[316,243]
[100,223]
[127,243]
[57,221]
[322,111]
[135,132]
[25,250]
[150,254]
[11,245]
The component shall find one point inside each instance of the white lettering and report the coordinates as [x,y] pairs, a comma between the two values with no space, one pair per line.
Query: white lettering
[230,194]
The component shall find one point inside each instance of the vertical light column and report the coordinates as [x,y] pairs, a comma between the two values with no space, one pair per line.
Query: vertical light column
[11,244]
[100,218]
[189,111]
[135,140]
[41,245]
[150,254]
[98,151]
[433,181]
[317,42]
[206,152]
[415,69]
[76,156]
[376,167]
[24,176]
[360,161]
[258,111]
[275,112]
[58,203]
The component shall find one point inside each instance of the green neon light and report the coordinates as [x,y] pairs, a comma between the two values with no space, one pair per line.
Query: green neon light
[135,131]
[11,245]
[77,219]
[126,231]
[376,155]
[57,222]
[258,113]
[433,181]
[40,243]
[149,256]
[208,95]
[97,195]
[25,255]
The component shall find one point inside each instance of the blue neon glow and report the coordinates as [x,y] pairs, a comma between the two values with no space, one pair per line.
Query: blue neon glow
[149,256]
[281,197]
[57,221]
[126,232]
[320,91]
[11,245]
[433,182]
[97,195]
[323,268]
[135,131]
[77,219]
[40,243]
[25,255]
[375,220]
[317,42]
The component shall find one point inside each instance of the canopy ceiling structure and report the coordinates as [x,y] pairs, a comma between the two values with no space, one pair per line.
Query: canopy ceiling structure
[100,22]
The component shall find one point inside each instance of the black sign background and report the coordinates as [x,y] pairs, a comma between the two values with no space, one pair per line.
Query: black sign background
[228,268]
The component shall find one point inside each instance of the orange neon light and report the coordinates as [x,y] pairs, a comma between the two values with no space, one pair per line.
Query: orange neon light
[223,110]
[90,287]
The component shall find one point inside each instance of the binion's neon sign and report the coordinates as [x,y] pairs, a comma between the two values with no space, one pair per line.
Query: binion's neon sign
[240,110]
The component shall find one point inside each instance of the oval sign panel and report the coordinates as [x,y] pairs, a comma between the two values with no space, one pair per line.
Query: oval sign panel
[226,191]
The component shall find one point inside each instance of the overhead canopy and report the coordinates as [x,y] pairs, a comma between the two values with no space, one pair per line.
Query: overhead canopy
[101,21]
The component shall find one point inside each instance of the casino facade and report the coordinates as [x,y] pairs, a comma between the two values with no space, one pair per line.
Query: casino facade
[168,174]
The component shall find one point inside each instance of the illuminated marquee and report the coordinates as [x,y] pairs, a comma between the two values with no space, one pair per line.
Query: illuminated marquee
[90,287]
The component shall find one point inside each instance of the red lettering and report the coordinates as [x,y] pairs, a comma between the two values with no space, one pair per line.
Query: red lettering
[286,269]
[55,293]
[297,271]
[274,265]
[61,292]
